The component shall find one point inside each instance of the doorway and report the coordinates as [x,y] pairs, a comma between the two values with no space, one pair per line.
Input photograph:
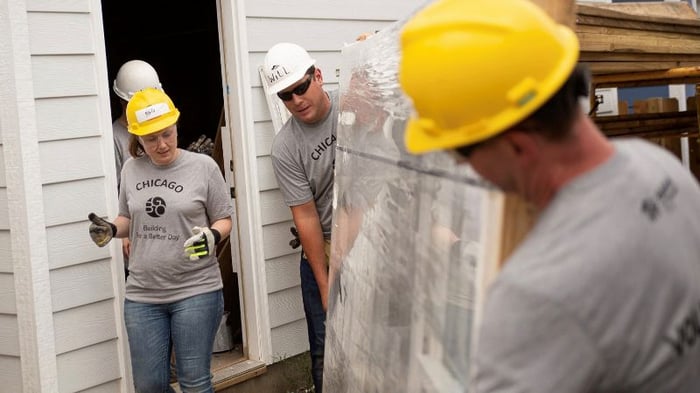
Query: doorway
[181,41]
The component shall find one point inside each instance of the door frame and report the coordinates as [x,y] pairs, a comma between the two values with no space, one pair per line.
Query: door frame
[238,142]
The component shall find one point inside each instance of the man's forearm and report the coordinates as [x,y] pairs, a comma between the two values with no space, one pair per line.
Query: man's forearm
[314,250]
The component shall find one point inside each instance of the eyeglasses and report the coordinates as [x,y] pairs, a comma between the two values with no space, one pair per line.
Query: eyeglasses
[154,139]
[299,90]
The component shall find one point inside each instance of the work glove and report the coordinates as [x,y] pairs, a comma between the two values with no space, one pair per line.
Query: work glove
[101,230]
[296,242]
[202,242]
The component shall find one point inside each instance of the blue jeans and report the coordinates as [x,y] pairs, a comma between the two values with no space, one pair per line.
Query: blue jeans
[315,321]
[192,324]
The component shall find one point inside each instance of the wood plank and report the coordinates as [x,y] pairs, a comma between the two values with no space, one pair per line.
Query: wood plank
[70,202]
[263,33]
[48,32]
[634,79]
[236,373]
[64,76]
[11,373]
[4,213]
[662,120]
[9,335]
[70,245]
[6,264]
[676,10]
[67,117]
[260,110]
[273,209]
[69,160]
[285,307]
[620,67]
[59,5]
[587,56]
[82,284]
[561,11]
[585,20]
[386,10]
[266,175]
[287,342]
[264,133]
[621,38]
[84,326]
[3,173]
[649,124]
[109,387]
[88,367]
[282,273]
[8,302]
[276,238]
[643,42]
[618,30]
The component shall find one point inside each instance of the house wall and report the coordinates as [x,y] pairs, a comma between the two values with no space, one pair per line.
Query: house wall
[59,302]
[322,27]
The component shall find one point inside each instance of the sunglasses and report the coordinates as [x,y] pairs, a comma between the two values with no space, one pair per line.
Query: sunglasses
[299,90]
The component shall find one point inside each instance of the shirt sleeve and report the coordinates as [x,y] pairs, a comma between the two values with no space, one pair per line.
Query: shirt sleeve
[291,177]
[529,343]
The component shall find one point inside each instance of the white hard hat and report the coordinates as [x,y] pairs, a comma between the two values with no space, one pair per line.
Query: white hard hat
[285,64]
[135,75]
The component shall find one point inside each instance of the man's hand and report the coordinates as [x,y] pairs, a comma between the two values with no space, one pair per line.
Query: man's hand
[202,243]
[101,230]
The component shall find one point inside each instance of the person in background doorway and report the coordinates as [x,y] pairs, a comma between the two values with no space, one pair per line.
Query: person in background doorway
[134,75]
[603,295]
[175,207]
[303,157]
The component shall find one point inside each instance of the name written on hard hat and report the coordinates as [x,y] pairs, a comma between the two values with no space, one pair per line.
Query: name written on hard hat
[277,72]
[151,112]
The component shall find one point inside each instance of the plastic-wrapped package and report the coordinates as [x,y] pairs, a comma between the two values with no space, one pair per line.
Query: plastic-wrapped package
[405,244]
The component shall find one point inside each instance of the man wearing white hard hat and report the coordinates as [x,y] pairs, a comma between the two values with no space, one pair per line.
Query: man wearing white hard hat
[134,75]
[303,156]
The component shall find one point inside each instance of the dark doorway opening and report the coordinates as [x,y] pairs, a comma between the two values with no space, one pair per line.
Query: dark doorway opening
[181,41]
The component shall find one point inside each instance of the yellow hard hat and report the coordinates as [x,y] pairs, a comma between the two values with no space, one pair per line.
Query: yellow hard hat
[150,110]
[474,68]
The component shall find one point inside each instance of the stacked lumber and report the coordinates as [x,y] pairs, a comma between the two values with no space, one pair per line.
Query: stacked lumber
[635,37]
[650,125]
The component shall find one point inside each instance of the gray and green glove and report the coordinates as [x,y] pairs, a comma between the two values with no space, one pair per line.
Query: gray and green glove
[101,230]
[202,243]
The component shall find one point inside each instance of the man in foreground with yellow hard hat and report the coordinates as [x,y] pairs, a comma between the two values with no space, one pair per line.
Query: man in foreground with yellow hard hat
[603,295]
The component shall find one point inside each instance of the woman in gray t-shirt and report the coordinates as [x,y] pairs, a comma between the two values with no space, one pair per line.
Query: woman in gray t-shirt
[175,208]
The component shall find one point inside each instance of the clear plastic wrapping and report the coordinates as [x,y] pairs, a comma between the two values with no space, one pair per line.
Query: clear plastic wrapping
[405,242]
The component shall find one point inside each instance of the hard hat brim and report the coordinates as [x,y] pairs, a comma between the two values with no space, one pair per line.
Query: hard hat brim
[290,79]
[156,125]
[420,140]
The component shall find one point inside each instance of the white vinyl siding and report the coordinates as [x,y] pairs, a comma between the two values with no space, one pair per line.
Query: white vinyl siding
[58,292]
[322,27]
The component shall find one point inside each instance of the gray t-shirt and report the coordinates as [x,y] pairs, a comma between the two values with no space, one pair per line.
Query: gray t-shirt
[164,203]
[121,138]
[604,293]
[303,158]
